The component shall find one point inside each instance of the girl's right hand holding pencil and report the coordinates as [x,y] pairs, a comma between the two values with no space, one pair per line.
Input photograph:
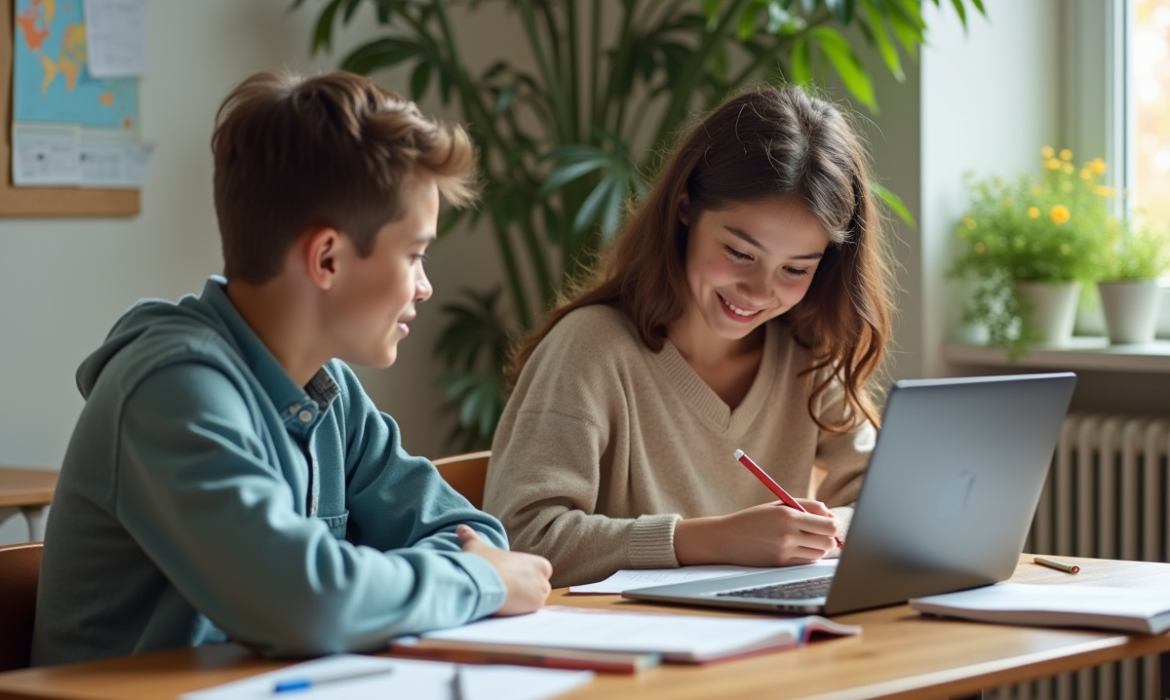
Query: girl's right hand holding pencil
[766,535]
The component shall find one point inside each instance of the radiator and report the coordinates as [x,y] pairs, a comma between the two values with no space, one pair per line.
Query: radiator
[1106,496]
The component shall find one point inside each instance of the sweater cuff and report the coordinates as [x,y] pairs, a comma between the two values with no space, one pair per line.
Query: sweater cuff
[652,542]
[487,582]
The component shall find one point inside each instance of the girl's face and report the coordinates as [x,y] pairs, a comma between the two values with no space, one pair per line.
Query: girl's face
[750,263]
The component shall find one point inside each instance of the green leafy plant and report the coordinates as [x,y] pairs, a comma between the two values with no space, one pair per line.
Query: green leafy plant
[1054,228]
[1137,252]
[564,146]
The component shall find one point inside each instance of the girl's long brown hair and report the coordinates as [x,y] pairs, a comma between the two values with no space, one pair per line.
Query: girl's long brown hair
[762,144]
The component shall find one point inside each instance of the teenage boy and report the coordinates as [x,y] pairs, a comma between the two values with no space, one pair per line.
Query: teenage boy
[228,478]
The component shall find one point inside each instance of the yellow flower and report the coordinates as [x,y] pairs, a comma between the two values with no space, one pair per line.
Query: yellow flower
[969,223]
[1086,174]
[1064,249]
[1065,154]
[1097,165]
[1047,152]
[1068,168]
[1033,212]
[1053,164]
[980,248]
[1059,214]
[1105,191]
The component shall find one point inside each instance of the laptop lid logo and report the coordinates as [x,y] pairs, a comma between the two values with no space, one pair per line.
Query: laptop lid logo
[952,501]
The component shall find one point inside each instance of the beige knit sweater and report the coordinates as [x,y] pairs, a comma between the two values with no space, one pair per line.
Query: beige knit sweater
[605,445]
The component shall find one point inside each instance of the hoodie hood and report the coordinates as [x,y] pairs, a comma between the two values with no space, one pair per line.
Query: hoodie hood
[152,324]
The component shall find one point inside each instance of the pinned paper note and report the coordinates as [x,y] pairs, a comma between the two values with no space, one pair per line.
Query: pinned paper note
[111,160]
[55,155]
[115,38]
[46,154]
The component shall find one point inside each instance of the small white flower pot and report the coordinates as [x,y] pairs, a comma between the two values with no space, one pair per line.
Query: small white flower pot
[1131,310]
[1053,309]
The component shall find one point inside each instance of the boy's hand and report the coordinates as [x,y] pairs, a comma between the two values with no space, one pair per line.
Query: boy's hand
[525,576]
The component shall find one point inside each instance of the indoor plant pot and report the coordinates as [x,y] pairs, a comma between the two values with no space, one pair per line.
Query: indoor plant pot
[1131,309]
[1051,309]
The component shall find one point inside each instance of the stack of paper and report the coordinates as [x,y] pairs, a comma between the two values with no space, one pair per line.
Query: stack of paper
[382,678]
[1140,610]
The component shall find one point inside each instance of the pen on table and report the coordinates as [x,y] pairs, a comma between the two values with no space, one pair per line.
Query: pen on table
[457,683]
[773,486]
[315,679]
[1058,565]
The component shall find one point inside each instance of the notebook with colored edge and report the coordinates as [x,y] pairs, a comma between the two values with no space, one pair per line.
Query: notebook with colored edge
[520,655]
[675,638]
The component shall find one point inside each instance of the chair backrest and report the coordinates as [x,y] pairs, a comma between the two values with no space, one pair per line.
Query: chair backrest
[466,474]
[20,568]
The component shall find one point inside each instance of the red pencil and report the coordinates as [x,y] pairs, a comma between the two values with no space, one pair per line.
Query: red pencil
[773,486]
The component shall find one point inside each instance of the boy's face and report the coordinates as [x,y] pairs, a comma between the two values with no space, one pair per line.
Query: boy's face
[374,298]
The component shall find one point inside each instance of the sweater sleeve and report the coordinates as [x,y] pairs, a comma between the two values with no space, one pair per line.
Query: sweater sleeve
[843,456]
[552,452]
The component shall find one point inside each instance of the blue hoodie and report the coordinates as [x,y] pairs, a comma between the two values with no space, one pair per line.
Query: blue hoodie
[205,497]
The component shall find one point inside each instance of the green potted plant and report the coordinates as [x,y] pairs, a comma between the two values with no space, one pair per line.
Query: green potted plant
[1130,294]
[565,144]
[1030,243]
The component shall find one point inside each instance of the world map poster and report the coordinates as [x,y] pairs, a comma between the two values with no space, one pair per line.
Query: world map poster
[51,82]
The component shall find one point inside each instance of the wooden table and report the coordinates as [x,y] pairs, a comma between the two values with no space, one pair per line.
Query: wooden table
[30,490]
[898,655]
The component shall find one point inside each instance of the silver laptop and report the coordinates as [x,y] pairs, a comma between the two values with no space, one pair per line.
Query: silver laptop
[946,503]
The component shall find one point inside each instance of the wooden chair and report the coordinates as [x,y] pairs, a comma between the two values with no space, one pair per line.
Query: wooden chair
[466,474]
[20,568]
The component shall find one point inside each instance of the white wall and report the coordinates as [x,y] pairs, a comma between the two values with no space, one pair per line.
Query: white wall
[990,98]
[63,282]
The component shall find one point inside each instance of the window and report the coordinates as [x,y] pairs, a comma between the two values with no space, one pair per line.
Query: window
[1148,110]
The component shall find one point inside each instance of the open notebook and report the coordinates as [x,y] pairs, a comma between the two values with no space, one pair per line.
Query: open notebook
[1141,610]
[674,638]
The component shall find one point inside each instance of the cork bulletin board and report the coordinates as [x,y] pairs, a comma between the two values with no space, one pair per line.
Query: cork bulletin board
[45,201]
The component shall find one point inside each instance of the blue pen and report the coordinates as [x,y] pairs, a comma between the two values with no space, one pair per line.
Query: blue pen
[316,679]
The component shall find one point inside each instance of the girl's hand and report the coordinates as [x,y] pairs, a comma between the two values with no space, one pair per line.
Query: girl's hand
[771,534]
[525,576]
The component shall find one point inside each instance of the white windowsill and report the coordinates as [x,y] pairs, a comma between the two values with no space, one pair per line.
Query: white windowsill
[1081,353]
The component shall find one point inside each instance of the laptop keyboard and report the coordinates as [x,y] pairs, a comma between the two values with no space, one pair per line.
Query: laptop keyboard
[793,590]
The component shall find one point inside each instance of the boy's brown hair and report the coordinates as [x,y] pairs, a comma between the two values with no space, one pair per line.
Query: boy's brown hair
[292,154]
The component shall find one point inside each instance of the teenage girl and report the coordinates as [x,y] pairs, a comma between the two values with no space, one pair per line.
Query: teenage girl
[745,305]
